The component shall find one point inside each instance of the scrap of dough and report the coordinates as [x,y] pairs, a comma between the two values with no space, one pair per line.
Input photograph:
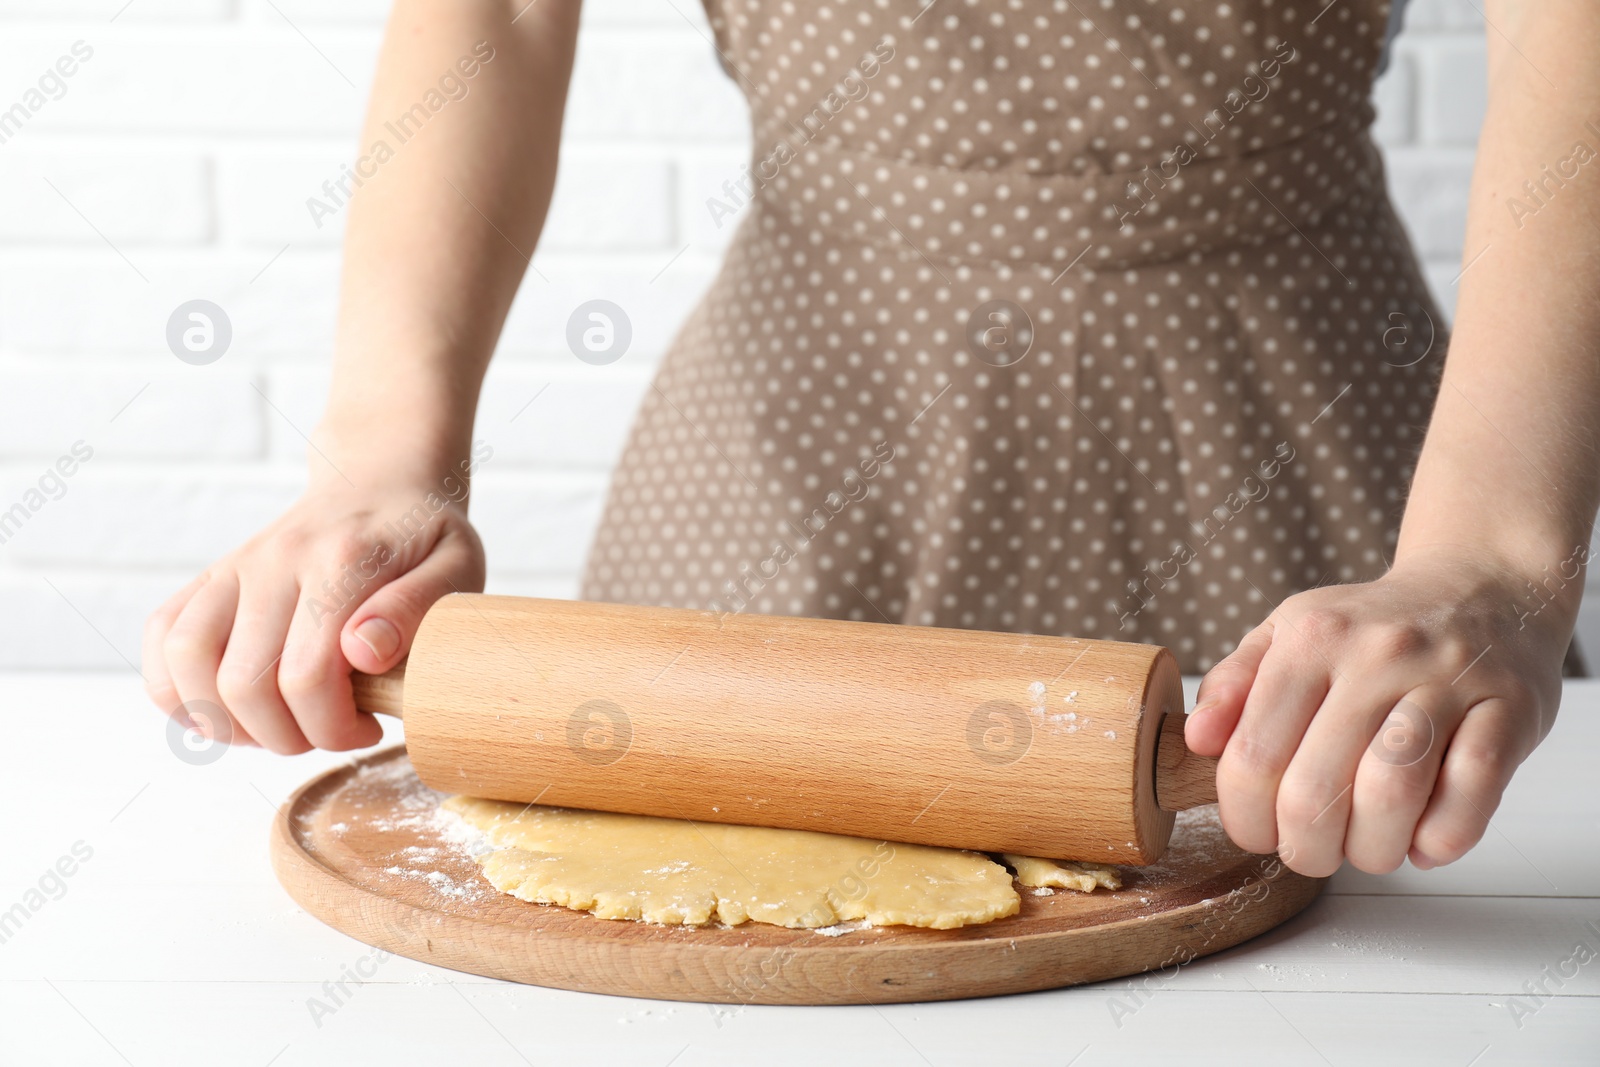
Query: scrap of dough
[687,873]
[1062,874]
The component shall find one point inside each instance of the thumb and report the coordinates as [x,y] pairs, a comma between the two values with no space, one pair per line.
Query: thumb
[1220,702]
[379,634]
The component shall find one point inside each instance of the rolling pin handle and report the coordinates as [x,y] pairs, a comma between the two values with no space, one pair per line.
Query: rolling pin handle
[380,694]
[1183,779]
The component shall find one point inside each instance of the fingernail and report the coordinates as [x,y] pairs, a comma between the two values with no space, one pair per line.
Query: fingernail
[1205,706]
[1421,860]
[380,636]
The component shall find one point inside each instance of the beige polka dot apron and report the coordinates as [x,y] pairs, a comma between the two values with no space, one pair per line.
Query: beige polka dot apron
[1087,318]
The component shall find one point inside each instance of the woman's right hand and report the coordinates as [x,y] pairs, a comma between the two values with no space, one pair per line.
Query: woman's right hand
[432,258]
[270,633]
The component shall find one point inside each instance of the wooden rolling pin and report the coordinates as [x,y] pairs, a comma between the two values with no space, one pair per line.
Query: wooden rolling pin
[1045,746]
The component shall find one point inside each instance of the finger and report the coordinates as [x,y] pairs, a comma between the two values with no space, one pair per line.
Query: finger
[193,651]
[247,678]
[314,676]
[1397,774]
[381,630]
[157,679]
[1289,688]
[1317,795]
[1486,750]
[1222,694]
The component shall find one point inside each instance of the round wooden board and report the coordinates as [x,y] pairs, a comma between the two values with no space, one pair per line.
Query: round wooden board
[363,849]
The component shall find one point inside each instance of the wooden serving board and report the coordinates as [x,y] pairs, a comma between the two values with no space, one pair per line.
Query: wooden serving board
[364,849]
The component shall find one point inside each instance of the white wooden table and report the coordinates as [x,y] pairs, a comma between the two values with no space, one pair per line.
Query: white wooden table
[173,944]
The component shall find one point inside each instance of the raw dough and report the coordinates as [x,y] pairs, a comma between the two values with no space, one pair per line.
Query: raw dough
[1062,874]
[679,872]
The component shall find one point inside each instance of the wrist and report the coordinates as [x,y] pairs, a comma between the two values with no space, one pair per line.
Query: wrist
[1545,583]
[376,453]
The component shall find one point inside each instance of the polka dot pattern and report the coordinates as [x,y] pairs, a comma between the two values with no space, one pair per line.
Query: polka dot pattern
[1213,412]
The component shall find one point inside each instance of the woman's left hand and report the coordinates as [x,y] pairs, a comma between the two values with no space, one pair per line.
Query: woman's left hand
[1383,720]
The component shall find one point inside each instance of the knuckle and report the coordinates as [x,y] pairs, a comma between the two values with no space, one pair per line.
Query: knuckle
[1320,627]
[1456,653]
[337,553]
[1529,719]
[292,541]
[185,645]
[325,554]
[156,624]
[1477,766]
[1390,788]
[1396,640]
[299,680]
[1447,844]
[1304,803]
[235,684]
[348,543]
[1246,761]
[310,687]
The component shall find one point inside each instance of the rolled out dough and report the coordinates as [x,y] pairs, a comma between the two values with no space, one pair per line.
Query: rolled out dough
[688,873]
[1062,874]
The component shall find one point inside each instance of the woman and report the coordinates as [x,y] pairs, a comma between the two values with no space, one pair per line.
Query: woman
[1073,317]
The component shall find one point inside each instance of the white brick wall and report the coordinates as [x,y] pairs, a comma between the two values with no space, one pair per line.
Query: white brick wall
[190,141]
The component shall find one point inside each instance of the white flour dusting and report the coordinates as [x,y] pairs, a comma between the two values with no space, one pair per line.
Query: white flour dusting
[459,833]
[392,800]
[1064,722]
[440,881]
[1370,943]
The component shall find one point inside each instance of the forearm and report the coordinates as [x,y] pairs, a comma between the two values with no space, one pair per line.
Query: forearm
[1510,470]
[439,234]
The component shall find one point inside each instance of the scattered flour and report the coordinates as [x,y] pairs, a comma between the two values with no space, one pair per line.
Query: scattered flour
[459,833]
[1065,722]
[440,881]
[390,799]
[1370,944]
